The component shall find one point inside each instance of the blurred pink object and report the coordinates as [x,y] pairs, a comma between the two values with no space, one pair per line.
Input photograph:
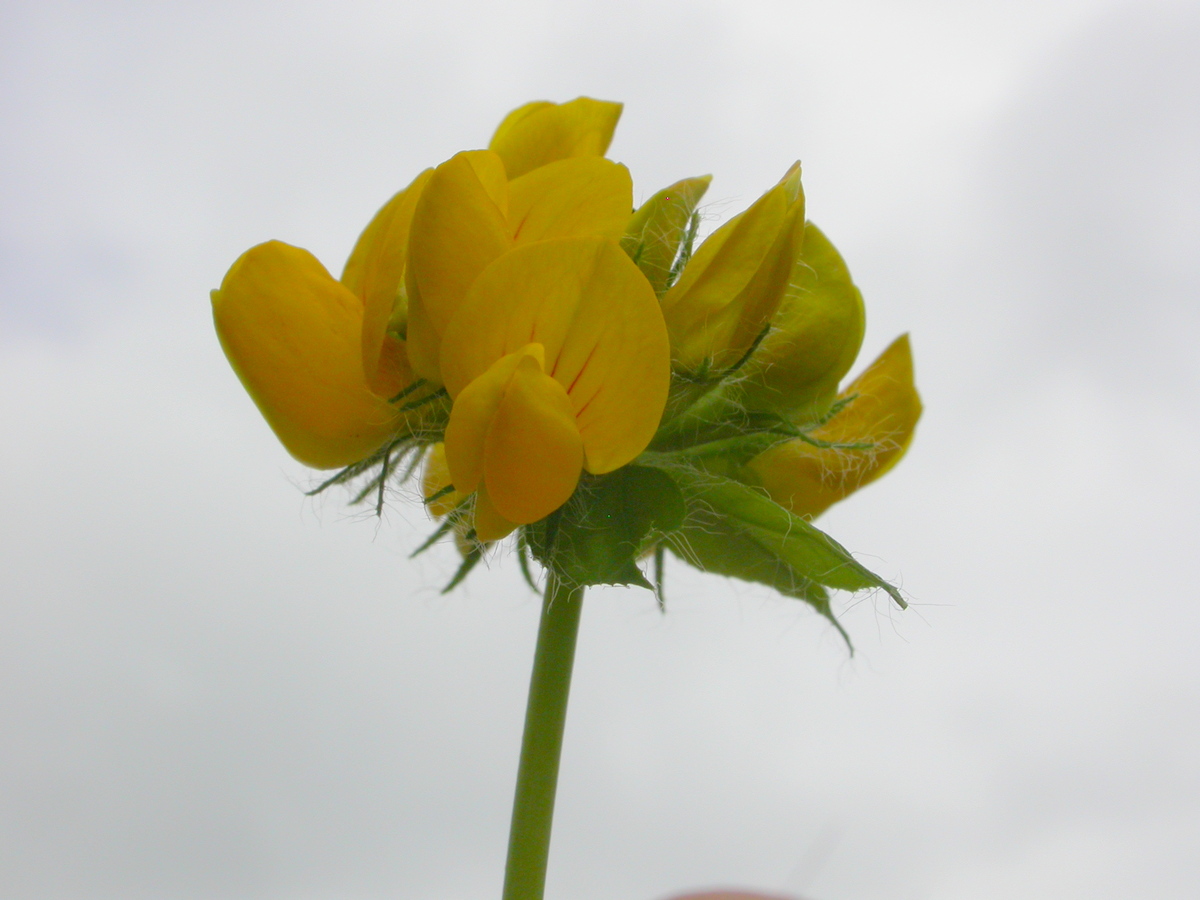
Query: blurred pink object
[732,895]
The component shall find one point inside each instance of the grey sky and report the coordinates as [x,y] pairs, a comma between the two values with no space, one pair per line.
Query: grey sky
[214,688]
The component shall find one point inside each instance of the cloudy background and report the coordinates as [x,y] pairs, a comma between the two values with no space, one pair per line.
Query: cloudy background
[212,688]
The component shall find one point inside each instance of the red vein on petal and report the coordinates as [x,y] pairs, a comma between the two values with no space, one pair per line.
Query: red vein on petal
[583,408]
[582,368]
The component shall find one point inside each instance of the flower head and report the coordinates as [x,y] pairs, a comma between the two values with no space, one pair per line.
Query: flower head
[576,368]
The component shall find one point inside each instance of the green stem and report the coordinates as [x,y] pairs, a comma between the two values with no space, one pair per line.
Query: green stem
[541,747]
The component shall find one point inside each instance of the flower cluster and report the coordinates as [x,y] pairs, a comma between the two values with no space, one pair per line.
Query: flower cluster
[575,369]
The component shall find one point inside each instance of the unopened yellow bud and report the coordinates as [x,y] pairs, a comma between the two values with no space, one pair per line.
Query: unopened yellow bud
[732,286]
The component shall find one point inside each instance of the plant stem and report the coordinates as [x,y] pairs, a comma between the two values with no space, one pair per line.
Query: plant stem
[541,746]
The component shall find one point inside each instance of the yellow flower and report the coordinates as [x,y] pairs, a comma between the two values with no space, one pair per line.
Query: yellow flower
[512,320]
[883,413]
[558,361]
[730,289]
[320,358]
[470,214]
[294,336]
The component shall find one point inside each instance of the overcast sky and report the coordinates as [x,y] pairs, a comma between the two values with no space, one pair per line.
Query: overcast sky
[212,688]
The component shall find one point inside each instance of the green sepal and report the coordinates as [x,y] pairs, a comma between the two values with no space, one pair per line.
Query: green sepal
[451,520]
[523,562]
[723,453]
[715,544]
[805,549]
[658,228]
[598,536]
[469,562]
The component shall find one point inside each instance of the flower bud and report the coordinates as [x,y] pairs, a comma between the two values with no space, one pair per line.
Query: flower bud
[814,339]
[442,499]
[731,287]
[657,229]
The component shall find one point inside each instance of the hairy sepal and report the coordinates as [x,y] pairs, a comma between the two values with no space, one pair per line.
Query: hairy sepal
[807,551]
[599,535]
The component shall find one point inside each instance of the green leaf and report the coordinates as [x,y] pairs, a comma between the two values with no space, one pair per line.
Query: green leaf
[597,537]
[806,549]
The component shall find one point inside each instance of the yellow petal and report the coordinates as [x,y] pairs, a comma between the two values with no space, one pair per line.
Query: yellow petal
[731,287]
[570,198]
[424,340]
[375,272]
[489,170]
[534,453]
[489,524]
[817,334]
[656,230]
[542,132]
[294,336]
[808,480]
[586,302]
[757,304]
[458,227]
[435,480]
[471,416]
[376,264]
[393,372]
